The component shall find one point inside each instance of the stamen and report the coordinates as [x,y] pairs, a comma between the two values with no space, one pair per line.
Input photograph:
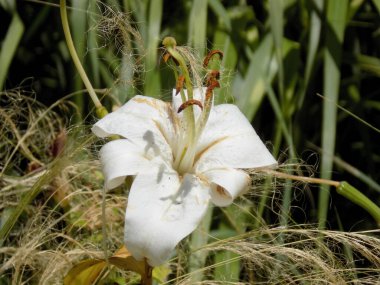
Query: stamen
[190,103]
[210,55]
[212,75]
[179,84]
[212,83]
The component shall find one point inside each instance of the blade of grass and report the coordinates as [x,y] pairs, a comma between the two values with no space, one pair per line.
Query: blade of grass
[377,5]
[199,238]
[198,25]
[336,23]
[78,20]
[281,120]
[152,85]
[229,264]
[355,116]
[314,38]
[9,46]
[93,19]
[252,89]
[369,63]
[277,24]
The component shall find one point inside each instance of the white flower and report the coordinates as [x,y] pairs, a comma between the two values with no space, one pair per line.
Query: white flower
[176,174]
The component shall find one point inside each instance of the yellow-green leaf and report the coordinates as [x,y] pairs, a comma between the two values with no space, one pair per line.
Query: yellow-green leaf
[85,272]
[124,260]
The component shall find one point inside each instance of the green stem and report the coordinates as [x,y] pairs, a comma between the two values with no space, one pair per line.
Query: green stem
[100,110]
[355,196]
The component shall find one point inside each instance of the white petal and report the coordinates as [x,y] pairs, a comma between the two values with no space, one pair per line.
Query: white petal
[161,211]
[120,158]
[144,121]
[229,140]
[227,184]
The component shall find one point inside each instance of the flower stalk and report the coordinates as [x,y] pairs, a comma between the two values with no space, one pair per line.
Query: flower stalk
[101,111]
[147,278]
[343,188]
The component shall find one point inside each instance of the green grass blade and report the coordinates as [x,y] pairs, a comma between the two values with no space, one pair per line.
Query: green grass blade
[356,117]
[199,239]
[78,22]
[152,85]
[314,38]
[221,12]
[227,263]
[336,23]
[198,25]
[377,5]
[92,44]
[252,88]
[9,46]
[277,24]
[370,64]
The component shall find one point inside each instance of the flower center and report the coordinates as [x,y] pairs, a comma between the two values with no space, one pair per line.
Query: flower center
[191,127]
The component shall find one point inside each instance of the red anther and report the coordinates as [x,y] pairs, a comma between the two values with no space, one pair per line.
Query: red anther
[179,85]
[189,103]
[210,55]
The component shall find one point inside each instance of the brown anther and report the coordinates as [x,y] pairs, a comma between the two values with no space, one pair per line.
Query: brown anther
[179,85]
[166,57]
[190,103]
[210,55]
[213,75]
[211,85]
